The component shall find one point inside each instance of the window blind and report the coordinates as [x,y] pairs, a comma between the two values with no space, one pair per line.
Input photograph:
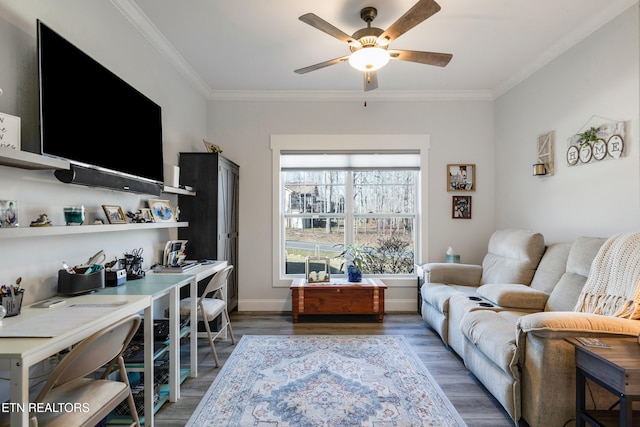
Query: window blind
[291,160]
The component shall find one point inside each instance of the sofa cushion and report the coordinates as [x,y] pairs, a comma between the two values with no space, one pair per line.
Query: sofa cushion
[514,296]
[494,336]
[512,256]
[565,294]
[551,267]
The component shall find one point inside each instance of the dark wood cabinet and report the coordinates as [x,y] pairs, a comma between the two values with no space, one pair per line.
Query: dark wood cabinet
[213,213]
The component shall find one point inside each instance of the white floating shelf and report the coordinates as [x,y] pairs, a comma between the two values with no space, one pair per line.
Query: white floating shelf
[10,233]
[176,190]
[27,160]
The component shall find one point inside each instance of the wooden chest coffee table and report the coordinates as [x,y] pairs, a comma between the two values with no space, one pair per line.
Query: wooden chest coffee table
[338,297]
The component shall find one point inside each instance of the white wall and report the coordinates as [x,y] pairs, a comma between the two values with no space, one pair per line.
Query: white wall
[460,132]
[599,76]
[99,29]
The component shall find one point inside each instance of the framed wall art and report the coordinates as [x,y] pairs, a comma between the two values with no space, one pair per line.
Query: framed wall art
[162,211]
[461,177]
[461,207]
[114,214]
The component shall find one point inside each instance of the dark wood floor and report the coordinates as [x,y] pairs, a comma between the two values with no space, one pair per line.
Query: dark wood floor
[473,402]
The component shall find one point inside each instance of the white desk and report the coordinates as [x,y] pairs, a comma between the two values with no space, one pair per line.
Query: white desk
[201,272]
[19,354]
[205,270]
[157,285]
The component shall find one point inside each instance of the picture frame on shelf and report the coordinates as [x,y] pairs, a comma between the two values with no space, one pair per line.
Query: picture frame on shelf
[461,177]
[8,213]
[145,213]
[9,132]
[114,214]
[162,211]
[461,207]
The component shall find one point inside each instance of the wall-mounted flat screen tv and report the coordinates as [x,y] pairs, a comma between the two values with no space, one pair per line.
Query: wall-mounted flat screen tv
[91,117]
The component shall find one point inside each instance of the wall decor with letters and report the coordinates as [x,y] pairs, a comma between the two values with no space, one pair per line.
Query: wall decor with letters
[593,144]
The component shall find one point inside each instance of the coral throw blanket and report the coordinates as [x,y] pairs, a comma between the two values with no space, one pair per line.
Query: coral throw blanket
[613,285]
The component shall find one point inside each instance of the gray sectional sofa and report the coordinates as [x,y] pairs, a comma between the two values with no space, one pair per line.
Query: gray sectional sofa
[508,319]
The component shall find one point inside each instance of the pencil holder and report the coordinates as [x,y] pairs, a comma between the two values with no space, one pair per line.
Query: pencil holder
[77,284]
[13,304]
[133,265]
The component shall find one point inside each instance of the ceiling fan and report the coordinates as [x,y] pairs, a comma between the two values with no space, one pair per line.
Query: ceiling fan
[370,45]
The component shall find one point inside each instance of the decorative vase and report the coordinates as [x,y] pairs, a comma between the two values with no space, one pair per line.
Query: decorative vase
[354,274]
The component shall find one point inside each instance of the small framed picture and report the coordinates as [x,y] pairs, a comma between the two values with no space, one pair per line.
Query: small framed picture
[114,214]
[162,211]
[461,207]
[8,213]
[461,177]
[145,213]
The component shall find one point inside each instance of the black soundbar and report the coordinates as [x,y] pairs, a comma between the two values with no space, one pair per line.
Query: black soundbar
[97,178]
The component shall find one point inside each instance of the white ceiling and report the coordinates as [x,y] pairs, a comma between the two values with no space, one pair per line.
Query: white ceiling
[254,45]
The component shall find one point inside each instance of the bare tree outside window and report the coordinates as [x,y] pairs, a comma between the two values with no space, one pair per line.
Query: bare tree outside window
[380,215]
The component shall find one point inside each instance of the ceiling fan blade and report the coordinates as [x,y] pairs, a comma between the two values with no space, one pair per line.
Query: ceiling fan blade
[370,81]
[322,25]
[418,13]
[429,58]
[321,65]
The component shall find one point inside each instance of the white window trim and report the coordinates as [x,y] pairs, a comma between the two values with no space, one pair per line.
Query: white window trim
[280,143]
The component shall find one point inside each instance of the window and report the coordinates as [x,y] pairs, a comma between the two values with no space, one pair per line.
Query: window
[330,200]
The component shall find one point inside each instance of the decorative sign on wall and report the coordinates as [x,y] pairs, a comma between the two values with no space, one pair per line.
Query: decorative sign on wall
[9,131]
[592,144]
[546,144]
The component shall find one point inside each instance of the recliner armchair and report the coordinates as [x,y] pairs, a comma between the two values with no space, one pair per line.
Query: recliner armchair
[512,257]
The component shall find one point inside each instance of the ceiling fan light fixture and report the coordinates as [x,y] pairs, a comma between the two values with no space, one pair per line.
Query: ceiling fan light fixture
[369,58]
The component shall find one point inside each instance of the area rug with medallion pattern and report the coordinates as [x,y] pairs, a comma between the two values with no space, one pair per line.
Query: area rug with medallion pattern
[329,381]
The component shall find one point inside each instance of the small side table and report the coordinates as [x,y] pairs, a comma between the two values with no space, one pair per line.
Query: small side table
[617,369]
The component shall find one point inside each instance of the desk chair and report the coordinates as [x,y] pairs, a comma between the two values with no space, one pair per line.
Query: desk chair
[212,307]
[97,397]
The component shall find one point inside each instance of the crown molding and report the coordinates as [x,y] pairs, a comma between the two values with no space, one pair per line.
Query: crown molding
[609,12]
[141,22]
